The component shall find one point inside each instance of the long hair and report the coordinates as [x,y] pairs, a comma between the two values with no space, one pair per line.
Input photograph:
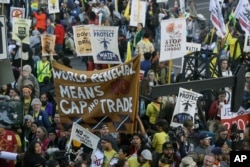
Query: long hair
[30,151]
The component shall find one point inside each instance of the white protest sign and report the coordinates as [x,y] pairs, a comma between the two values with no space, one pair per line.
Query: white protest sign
[185,108]
[88,140]
[193,47]
[53,6]
[182,6]
[3,38]
[4,1]
[138,13]
[173,39]
[104,44]
[16,12]
[247,43]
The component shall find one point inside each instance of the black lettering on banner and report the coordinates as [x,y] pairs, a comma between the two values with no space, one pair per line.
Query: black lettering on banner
[239,158]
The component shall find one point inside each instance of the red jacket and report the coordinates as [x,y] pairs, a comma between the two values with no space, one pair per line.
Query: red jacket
[40,21]
[59,33]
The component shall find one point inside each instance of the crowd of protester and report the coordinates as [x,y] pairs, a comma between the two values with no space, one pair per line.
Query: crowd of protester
[42,139]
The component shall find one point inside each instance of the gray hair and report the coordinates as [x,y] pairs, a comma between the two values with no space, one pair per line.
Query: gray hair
[36,101]
[27,67]
[28,117]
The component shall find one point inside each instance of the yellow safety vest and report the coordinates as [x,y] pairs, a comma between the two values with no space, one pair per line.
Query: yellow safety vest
[42,70]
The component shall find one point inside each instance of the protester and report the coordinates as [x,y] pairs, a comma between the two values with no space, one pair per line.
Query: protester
[8,143]
[40,116]
[168,145]
[33,156]
[204,147]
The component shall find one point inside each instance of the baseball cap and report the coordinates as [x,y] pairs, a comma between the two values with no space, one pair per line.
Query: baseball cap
[77,2]
[167,145]
[216,151]
[204,135]
[146,154]
[107,138]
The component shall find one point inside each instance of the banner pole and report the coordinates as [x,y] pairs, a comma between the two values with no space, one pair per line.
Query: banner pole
[2,8]
[21,47]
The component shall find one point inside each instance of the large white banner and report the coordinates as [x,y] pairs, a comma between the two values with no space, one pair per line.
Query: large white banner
[88,140]
[216,17]
[138,13]
[241,117]
[104,41]
[53,6]
[242,14]
[82,40]
[173,39]
[16,12]
[185,107]
[21,30]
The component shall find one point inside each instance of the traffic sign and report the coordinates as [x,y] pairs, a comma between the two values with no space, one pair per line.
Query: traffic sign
[3,38]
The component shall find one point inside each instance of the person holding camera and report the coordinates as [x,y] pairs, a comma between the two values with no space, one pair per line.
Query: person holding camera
[223,134]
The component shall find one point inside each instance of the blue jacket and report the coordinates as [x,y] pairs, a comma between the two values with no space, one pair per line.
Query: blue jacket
[42,119]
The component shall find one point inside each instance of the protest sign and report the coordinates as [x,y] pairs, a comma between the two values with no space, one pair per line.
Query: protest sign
[138,13]
[216,17]
[242,14]
[173,39]
[193,47]
[82,40]
[88,141]
[4,1]
[241,117]
[48,44]
[53,6]
[21,30]
[94,97]
[16,12]
[247,43]
[182,6]
[105,44]
[3,38]
[185,107]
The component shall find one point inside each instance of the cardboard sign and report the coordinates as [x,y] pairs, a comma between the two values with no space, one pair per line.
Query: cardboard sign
[82,39]
[21,28]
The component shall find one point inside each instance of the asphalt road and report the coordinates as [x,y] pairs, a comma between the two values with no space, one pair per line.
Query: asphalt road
[202,7]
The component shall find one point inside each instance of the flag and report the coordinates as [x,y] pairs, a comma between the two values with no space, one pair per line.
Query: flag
[216,17]
[128,57]
[242,13]
[127,11]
